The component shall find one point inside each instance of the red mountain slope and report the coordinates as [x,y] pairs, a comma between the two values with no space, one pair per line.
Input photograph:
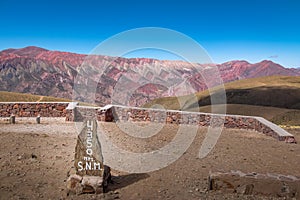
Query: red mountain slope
[39,71]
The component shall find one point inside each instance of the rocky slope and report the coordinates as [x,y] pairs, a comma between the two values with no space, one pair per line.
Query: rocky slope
[297,70]
[131,81]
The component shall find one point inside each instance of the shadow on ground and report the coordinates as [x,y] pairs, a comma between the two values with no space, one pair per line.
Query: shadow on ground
[125,180]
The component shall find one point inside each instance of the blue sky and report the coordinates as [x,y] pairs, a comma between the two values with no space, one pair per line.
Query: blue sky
[228,29]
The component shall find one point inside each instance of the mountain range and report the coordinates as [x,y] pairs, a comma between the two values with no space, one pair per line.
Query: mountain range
[109,79]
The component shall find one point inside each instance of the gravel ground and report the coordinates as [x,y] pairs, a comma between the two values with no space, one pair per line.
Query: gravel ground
[37,158]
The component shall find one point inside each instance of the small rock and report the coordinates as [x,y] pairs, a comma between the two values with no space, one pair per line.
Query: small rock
[33,156]
[92,184]
[203,191]
[74,184]
[71,171]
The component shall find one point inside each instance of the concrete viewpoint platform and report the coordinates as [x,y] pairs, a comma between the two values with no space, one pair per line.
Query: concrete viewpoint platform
[114,113]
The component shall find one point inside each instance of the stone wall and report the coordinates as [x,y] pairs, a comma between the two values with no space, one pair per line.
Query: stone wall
[112,113]
[33,109]
[270,185]
[121,113]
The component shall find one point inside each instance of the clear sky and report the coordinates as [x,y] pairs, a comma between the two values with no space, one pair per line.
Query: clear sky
[251,30]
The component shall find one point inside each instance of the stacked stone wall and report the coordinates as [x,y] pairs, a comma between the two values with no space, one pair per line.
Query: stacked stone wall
[33,109]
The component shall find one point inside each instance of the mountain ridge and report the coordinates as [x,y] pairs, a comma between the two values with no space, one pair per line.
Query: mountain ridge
[34,51]
[40,71]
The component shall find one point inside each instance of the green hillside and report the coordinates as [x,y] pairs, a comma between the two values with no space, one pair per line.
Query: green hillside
[276,98]
[274,91]
[23,97]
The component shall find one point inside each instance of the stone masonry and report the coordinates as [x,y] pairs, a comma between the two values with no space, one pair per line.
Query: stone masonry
[111,113]
[33,109]
[271,185]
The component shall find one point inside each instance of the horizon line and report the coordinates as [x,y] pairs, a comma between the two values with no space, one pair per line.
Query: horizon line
[154,58]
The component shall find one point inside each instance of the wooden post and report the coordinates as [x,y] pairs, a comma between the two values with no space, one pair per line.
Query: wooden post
[12,119]
[38,119]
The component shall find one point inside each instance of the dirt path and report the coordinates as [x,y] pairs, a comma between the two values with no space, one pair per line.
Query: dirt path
[40,99]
